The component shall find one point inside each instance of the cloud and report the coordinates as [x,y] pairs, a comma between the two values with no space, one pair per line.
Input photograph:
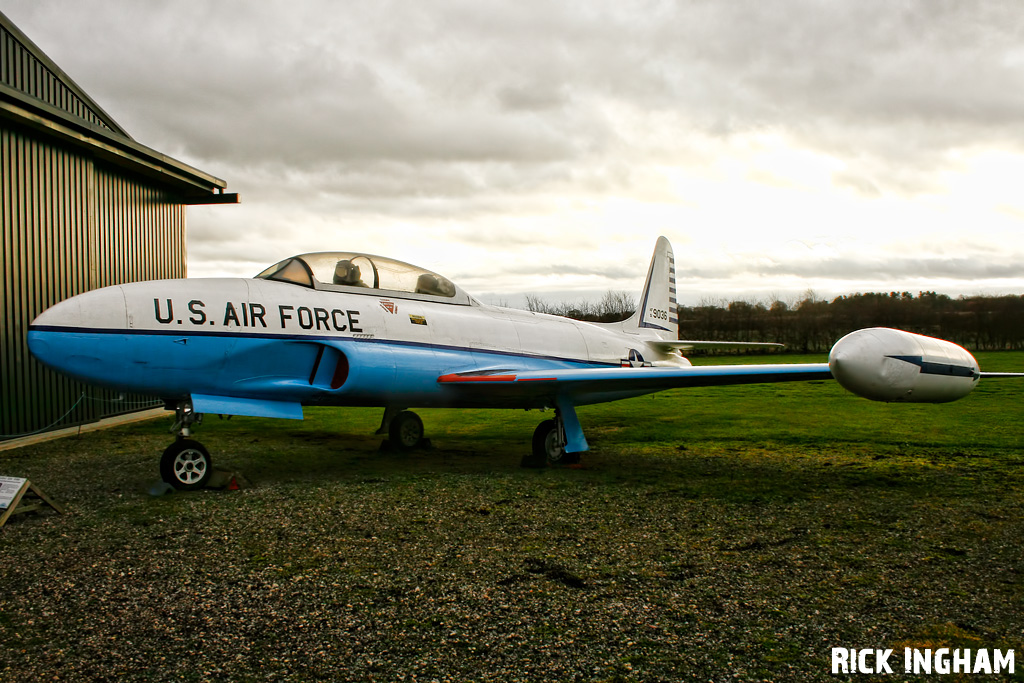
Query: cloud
[307,82]
[522,134]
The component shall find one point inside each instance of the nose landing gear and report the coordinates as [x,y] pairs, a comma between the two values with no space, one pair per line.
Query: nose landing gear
[186,464]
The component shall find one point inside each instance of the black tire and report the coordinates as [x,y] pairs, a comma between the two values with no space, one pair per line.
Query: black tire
[186,465]
[406,430]
[544,448]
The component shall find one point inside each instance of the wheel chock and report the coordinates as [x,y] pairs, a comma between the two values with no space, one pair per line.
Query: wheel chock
[224,480]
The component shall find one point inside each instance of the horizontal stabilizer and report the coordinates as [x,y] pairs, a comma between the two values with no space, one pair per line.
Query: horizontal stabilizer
[251,407]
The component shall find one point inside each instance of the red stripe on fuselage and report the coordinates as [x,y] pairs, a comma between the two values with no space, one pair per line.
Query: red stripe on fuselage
[476,378]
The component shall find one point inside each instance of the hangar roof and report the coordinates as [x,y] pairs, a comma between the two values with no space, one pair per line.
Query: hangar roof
[38,94]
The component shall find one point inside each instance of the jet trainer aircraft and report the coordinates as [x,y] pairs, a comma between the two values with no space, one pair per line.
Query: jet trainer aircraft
[353,329]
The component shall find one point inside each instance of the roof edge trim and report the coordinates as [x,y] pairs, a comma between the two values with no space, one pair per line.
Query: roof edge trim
[33,112]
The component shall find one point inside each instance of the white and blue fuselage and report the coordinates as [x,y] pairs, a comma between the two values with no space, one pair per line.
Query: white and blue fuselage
[275,341]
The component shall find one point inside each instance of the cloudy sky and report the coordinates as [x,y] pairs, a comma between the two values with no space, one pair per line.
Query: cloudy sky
[541,147]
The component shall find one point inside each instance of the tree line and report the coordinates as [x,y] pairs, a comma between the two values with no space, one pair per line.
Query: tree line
[614,306]
[814,324]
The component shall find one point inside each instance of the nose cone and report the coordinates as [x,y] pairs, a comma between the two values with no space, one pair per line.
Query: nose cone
[80,336]
[100,309]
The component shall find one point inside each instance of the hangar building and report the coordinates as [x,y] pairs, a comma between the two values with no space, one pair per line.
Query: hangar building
[82,206]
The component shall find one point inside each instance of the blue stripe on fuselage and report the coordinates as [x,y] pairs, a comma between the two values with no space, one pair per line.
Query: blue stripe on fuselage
[287,367]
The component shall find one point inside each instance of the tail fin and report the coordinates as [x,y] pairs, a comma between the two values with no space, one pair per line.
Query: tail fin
[657,310]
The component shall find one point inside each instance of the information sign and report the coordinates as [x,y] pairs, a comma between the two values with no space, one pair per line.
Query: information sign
[9,488]
[18,496]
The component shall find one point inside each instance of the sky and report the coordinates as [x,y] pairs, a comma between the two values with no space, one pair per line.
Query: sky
[785,148]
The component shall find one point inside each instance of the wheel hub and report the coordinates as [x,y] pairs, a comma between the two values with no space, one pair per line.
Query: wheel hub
[410,433]
[189,466]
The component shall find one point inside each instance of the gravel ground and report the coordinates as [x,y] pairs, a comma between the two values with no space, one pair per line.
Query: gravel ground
[653,564]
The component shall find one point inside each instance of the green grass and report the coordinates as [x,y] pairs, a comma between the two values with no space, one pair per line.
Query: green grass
[750,524]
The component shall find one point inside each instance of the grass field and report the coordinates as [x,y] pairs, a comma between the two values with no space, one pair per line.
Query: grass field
[734,533]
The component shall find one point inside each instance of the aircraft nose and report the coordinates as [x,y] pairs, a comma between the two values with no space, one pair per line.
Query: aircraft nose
[75,336]
[99,309]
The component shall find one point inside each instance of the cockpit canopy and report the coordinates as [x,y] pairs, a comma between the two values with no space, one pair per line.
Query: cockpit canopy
[349,272]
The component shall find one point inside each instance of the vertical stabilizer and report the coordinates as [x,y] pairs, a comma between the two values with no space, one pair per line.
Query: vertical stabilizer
[657,307]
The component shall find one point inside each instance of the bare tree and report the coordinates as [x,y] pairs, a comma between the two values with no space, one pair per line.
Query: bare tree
[535,304]
[616,305]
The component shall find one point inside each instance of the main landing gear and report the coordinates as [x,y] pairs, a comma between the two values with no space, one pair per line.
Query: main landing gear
[549,441]
[404,429]
[186,464]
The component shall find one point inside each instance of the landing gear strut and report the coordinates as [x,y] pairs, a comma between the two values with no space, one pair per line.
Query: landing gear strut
[186,464]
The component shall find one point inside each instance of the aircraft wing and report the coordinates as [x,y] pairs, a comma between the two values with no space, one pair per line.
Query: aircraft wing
[594,385]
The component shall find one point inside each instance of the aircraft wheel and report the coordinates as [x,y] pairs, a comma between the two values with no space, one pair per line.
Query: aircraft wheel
[186,465]
[546,447]
[545,441]
[406,430]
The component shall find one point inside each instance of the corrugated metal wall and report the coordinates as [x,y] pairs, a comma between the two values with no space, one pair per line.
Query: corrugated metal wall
[69,224]
[140,231]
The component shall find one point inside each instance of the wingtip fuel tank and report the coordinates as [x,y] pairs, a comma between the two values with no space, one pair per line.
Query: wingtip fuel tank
[889,365]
